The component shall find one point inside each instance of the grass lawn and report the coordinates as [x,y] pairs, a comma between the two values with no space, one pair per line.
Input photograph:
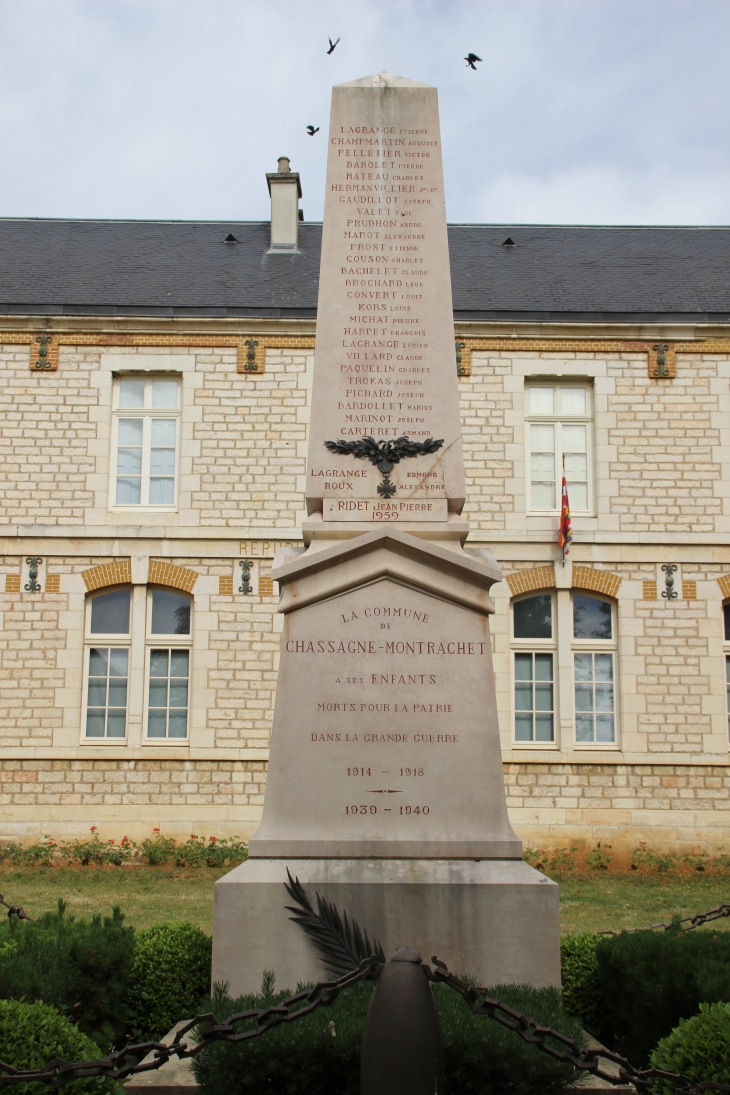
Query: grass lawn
[588,901]
[146,895]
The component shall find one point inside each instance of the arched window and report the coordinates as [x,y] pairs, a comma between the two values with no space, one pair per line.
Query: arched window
[594,669]
[169,637]
[534,646]
[107,663]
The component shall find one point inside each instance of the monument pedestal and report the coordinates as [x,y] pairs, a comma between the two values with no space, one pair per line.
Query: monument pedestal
[385,791]
[495,919]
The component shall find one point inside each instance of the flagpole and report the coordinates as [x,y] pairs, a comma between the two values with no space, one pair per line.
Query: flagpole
[562,537]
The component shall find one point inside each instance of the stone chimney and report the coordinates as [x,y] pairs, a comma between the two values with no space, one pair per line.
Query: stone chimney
[285,190]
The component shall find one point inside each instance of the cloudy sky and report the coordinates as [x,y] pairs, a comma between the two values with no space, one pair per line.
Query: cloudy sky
[582,112]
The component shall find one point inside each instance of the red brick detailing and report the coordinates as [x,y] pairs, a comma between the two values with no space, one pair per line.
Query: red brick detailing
[522,581]
[600,581]
[162,573]
[108,574]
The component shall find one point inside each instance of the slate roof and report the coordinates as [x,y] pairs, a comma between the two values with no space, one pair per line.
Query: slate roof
[183,268]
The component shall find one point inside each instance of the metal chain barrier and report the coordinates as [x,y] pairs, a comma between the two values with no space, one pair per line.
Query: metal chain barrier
[480,1003]
[691,921]
[15,912]
[128,1061]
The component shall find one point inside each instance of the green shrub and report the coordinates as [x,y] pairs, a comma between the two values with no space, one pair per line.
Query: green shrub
[158,850]
[170,977]
[579,977]
[81,967]
[562,859]
[644,856]
[648,981]
[98,853]
[32,1034]
[599,858]
[536,858]
[29,855]
[320,1054]
[194,852]
[698,1049]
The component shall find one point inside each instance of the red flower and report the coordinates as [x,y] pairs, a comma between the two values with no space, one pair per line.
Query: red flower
[156,829]
[212,839]
[92,829]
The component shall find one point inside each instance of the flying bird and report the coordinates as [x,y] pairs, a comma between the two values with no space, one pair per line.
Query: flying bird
[332,45]
[470,59]
[311,130]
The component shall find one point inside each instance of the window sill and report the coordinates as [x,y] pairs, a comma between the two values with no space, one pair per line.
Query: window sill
[103,743]
[165,743]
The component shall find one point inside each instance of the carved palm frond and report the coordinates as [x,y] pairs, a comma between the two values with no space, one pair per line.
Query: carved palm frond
[341,943]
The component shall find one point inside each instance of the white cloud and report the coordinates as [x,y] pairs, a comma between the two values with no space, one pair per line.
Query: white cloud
[583,110]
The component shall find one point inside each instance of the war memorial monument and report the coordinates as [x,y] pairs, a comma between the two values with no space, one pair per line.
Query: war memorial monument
[385,791]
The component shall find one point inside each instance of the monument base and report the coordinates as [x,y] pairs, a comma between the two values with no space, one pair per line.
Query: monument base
[496,919]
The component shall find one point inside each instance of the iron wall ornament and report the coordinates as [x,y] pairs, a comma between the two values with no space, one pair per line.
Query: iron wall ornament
[245,586]
[460,369]
[661,349]
[385,454]
[670,593]
[42,361]
[32,585]
[250,366]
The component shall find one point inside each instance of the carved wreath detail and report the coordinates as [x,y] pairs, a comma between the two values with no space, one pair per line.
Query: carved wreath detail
[384,454]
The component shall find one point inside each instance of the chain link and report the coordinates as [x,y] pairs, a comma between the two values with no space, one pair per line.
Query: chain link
[128,1061]
[691,921]
[537,1035]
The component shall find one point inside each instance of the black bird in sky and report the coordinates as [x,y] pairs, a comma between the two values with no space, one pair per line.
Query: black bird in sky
[470,59]
[332,45]
[311,130]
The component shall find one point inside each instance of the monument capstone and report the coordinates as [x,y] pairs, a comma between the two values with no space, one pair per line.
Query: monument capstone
[385,790]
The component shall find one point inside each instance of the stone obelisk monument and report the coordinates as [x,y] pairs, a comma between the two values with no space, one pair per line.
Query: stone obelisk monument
[385,791]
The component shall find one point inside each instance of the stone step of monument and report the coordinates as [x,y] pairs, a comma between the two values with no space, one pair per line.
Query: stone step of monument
[588,1083]
[175,1077]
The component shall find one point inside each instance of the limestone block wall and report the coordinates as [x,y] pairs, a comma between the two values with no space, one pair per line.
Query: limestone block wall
[64,798]
[661,448]
[670,671]
[242,437]
[671,807]
[235,654]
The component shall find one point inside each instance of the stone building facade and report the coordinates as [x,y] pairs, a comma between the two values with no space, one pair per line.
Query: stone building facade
[154,436]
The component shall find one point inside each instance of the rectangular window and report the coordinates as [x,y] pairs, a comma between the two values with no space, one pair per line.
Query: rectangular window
[594,699]
[534,697]
[106,698]
[727,678]
[167,709]
[146,439]
[559,423]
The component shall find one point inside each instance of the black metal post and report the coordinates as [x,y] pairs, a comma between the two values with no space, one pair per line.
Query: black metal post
[402,1048]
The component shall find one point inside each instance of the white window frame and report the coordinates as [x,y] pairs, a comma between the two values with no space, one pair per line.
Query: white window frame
[146,414]
[115,642]
[596,646]
[535,646]
[559,420]
[166,642]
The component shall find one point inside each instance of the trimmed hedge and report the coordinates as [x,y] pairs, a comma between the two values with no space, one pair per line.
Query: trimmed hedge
[80,967]
[170,977]
[698,1049]
[320,1054]
[32,1034]
[579,977]
[648,981]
